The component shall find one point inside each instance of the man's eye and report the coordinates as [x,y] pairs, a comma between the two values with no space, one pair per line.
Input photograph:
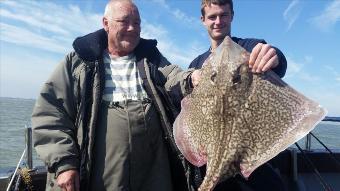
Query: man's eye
[225,15]
[212,18]
[122,21]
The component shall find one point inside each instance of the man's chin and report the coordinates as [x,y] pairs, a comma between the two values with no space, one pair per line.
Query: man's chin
[128,46]
[219,37]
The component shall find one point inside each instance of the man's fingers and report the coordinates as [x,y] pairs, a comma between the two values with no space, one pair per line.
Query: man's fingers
[263,50]
[262,58]
[265,60]
[272,63]
[70,186]
[67,186]
[257,55]
[68,180]
[195,77]
[253,55]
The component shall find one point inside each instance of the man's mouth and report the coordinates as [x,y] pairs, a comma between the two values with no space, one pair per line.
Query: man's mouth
[218,30]
[131,37]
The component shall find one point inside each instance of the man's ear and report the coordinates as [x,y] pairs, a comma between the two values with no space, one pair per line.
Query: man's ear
[202,20]
[105,24]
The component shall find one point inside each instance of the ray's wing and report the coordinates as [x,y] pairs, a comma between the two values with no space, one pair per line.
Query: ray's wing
[185,133]
[276,116]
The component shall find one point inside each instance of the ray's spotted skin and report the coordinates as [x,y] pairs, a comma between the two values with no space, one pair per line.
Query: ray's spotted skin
[234,120]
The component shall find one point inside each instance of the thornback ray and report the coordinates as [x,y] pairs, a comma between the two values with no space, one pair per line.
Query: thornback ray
[234,120]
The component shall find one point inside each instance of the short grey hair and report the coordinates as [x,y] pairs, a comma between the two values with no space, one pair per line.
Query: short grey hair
[108,7]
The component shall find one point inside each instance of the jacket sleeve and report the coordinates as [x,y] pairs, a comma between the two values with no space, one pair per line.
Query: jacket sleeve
[176,81]
[54,132]
[281,69]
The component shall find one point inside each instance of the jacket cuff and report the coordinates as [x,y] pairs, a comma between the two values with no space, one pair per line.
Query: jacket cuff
[66,164]
[280,69]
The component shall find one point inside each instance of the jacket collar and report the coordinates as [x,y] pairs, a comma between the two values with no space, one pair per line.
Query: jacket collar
[91,46]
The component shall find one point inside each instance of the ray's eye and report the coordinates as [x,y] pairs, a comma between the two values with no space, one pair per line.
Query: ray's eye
[213,76]
[237,79]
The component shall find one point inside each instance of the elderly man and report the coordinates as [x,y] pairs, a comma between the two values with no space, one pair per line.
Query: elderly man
[103,118]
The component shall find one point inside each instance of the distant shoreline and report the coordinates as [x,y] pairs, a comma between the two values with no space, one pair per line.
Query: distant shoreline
[327,118]
[18,98]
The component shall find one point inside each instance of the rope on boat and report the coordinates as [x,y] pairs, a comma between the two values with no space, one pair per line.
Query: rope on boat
[330,152]
[15,172]
[17,183]
[26,177]
[316,172]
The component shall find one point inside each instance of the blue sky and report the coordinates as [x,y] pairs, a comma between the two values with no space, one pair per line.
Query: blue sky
[35,36]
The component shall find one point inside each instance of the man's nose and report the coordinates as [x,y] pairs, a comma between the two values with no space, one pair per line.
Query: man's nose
[132,26]
[218,20]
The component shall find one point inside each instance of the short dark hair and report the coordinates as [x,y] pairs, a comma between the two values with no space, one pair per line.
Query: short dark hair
[216,2]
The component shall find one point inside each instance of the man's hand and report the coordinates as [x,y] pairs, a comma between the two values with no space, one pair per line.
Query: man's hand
[262,58]
[195,77]
[68,180]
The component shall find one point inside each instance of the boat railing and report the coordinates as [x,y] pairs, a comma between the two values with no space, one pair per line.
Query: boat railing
[308,145]
[29,159]
[28,153]
[28,141]
[308,140]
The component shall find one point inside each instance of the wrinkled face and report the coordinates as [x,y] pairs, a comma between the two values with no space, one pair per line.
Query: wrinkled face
[217,20]
[123,26]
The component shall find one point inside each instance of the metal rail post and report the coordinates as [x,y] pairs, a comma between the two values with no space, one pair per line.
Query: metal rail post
[29,147]
[308,143]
